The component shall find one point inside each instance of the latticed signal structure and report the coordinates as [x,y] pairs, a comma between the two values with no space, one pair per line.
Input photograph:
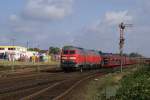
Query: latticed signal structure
[122,28]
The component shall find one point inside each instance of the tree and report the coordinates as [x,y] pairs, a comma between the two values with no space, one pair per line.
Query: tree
[34,49]
[100,52]
[43,51]
[125,54]
[135,55]
[54,50]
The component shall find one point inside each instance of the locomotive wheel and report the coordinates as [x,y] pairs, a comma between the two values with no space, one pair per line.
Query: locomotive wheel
[66,70]
[102,64]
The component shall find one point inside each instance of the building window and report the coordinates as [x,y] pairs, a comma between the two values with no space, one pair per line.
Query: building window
[1,48]
[11,48]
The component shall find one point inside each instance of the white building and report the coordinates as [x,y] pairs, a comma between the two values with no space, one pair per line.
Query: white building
[15,53]
[12,52]
[31,53]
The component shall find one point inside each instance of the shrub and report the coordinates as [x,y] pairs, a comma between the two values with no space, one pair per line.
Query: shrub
[135,86]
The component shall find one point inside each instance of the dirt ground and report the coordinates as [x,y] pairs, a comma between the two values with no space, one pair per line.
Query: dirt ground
[79,92]
[84,90]
[28,70]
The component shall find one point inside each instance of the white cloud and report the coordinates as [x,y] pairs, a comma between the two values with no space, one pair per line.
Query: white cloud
[117,17]
[104,33]
[20,25]
[36,14]
[13,17]
[47,9]
[110,21]
[34,17]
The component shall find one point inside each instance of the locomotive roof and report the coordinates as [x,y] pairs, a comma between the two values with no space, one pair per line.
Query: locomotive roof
[78,48]
[71,47]
[110,54]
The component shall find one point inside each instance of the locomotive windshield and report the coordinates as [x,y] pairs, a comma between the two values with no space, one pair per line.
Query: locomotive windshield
[72,52]
[69,52]
[65,52]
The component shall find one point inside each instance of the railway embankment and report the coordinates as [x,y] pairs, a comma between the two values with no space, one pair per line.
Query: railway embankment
[10,69]
[135,86]
[131,83]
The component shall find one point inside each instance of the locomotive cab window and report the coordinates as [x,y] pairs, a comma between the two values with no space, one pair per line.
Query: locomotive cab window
[106,60]
[72,52]
[65,52]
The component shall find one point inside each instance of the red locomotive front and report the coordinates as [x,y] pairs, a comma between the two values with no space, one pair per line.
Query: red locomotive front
[71,58]
[79,58]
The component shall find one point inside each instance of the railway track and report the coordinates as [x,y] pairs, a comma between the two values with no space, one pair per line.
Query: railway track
[63,94]
[17,87]
[58,90]
[44,85]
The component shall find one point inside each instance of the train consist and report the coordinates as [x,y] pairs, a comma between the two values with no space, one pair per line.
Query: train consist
[74,58]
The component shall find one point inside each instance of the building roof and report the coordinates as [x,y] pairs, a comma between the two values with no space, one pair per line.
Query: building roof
[12,47]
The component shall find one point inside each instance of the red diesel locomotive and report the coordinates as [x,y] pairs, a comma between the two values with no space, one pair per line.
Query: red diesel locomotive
[79,58]
[73,58]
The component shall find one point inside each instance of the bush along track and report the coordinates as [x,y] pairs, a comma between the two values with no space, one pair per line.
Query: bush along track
[131,84]
[135,86]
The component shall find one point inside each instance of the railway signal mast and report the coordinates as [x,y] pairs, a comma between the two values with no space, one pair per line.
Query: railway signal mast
[122,28]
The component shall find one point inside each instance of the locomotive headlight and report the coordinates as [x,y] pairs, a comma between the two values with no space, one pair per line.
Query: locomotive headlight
[72,58]
[63,60]
[64,57]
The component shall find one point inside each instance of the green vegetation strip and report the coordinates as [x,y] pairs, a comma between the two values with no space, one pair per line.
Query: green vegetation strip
[135,86]
[9,63]
[132,84]
[6,65]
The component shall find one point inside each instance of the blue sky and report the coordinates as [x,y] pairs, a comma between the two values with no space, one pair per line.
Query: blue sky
[90,24]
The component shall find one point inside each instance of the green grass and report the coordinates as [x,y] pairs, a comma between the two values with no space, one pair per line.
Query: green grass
[102,88]
[7,65]
[135,86]
[105,88]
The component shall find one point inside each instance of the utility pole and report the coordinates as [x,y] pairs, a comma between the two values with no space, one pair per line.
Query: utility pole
[13,41]
[27,45]
[122,28]
[13,55]
[38,67]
